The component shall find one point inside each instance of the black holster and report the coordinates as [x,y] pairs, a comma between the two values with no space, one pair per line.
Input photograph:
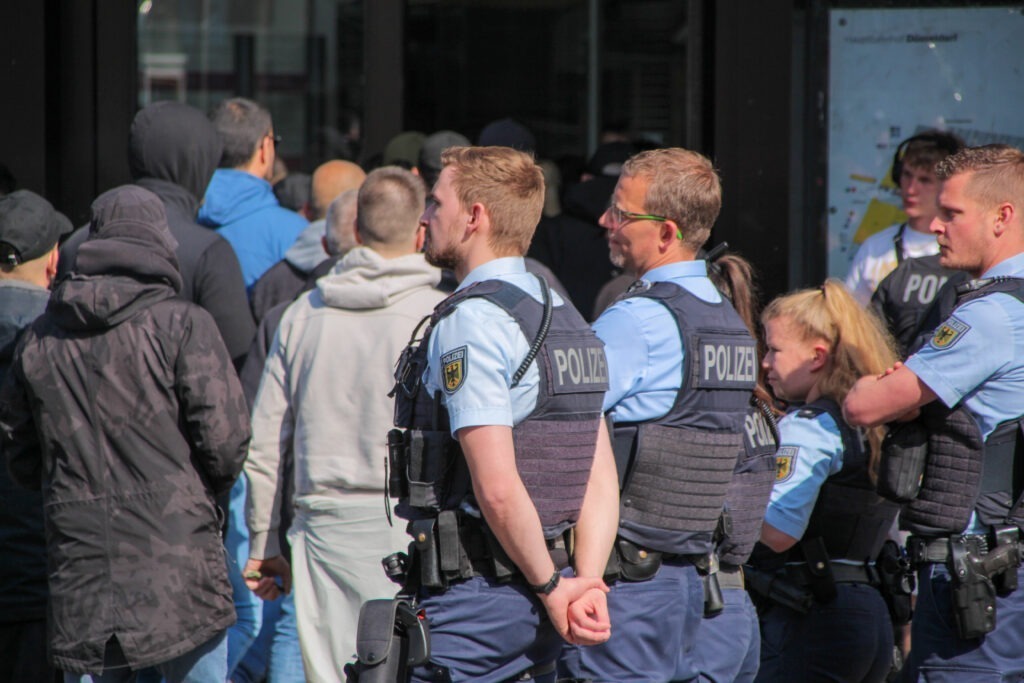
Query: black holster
[775,589]
[392,638]
[714,602]
[896,582]
[974,594]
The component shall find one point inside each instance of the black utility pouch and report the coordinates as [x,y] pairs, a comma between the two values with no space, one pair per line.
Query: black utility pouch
[428,461]
[398,463]
[974,595]
[822,582]
[424,540]
[903,458]
[636,563]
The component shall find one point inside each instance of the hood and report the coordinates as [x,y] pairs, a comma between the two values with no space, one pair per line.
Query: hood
[129,236]
[176,143]
[308,250]
[588,200]
[363,279]
[233,195]
[98,302]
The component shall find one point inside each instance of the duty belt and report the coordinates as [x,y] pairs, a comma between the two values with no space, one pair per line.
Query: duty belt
[842,573]
[730,576]
[936,550]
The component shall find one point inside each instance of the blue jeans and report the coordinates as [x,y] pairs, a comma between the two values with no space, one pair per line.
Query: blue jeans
[204,664]
[728,646]
[939,655]
[275,654]
[247,606]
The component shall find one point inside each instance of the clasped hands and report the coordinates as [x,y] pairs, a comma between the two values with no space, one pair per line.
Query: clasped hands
[578,609]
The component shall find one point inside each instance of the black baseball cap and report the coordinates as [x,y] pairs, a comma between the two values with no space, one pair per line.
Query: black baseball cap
[29,227]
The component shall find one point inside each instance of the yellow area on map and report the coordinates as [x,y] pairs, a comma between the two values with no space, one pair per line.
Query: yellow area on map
[879,215]
[887,183]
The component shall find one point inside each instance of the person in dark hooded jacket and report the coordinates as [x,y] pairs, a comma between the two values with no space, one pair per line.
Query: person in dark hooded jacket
[123,407]
[173,152]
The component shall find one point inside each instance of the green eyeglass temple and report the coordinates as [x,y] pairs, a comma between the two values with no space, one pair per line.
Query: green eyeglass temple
[642,217]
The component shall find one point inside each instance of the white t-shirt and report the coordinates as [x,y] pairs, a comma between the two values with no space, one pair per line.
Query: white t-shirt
[876,258]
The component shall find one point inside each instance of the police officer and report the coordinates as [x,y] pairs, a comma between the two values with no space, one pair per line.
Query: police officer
[966,517]
[681,367]
[825,523]
[905,299]
[505,448]
[913,172]
[728,645]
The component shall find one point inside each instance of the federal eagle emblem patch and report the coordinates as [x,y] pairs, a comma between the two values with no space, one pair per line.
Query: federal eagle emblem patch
[785,462]
[949,333]
[454,364]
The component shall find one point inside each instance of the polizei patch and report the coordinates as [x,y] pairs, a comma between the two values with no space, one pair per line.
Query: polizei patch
[949,333]
[724,362]
[785,462]
[454,364]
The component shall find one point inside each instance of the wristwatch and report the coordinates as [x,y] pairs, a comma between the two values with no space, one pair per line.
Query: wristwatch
[546,588]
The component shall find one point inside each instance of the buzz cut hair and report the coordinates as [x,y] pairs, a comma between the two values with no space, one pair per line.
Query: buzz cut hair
[242,125]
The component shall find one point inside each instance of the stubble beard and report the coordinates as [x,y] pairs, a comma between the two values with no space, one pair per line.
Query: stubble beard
[446,259]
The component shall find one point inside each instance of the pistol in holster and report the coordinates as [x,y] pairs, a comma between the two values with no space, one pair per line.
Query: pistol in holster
[978,578]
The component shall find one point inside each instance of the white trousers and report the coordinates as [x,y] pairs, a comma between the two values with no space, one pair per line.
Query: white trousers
[337,545]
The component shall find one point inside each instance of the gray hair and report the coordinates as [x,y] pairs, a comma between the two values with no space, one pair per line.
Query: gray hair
[340,223]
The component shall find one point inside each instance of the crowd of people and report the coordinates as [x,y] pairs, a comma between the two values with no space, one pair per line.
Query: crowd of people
[432,421]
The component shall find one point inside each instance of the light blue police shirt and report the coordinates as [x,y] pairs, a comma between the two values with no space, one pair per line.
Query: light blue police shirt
[810,451]
[643,346]
[491,346]
[977,356]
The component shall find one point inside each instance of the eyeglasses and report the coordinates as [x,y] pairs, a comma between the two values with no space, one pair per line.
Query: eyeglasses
[619,217]
[275,138]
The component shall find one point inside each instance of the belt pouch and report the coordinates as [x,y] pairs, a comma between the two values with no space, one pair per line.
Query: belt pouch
[424,538]
[636,563]
[903,457]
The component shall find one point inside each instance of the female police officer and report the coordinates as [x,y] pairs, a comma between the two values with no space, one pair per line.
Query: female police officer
[824,520]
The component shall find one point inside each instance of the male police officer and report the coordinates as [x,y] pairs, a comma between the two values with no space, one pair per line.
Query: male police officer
[681,367]
[967,516]
[516,377]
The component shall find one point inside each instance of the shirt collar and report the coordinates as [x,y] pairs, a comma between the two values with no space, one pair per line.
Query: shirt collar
[671,271]
[1011,266]
[490,270]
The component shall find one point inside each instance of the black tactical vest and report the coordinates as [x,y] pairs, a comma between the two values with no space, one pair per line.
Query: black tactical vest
[907,294]
[554,445]
[675,470]
[963,474]
[849,516]
[751,485]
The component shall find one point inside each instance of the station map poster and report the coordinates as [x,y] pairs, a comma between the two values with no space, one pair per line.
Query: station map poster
[897,72]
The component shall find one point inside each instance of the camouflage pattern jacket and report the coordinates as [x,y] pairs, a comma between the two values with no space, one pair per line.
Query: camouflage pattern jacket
[123,406]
